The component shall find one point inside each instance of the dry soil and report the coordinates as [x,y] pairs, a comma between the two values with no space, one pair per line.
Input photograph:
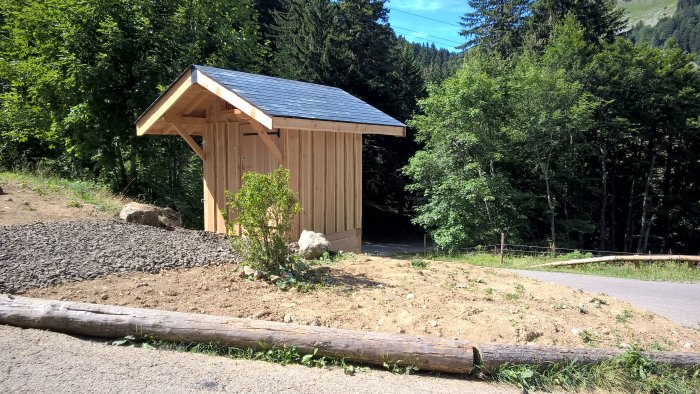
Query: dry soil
[444,299]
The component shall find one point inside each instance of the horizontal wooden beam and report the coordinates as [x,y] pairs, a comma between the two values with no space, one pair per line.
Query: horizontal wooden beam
[184,120]
[340,127]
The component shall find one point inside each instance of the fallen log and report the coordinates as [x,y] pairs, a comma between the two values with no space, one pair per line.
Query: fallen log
[633,258]
[493,356]
[425,353]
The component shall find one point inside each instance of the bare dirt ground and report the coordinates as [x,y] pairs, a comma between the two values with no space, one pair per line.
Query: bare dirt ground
[23,203]
[380,294]
[370,293]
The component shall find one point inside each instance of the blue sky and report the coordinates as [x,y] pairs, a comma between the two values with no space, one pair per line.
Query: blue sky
[418,28]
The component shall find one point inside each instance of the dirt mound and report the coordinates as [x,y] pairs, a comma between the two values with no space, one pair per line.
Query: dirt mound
[377,294]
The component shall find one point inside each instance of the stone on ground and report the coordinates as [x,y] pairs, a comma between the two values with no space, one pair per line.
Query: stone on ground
[150,215]
[312,245]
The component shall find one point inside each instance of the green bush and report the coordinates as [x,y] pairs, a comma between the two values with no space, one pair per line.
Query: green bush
[264,208]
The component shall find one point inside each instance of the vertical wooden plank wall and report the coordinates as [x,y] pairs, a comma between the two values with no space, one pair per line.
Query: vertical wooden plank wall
[325,173]
[221,170]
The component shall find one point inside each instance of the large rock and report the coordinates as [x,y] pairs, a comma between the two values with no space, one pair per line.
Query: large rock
[170,218]
[150,215]
[312,245]
[135,212]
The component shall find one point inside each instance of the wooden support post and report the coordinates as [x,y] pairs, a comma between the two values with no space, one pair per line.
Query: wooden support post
[426,353]
[195,147]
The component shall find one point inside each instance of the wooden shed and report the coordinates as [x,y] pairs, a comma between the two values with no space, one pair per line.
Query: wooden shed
[248,122]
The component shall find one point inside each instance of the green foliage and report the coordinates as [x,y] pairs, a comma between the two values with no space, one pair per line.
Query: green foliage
[668,271]
[648,12]
[419,264]
[350,45]
[584,142]
[495,25]
[272,354]
[79,192]
[469,172]
[629,372]
[600,20]
[264,208]
[678,28]
[624,316]
[75,75]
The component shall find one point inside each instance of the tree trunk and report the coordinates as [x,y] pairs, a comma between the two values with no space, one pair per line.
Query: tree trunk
[628,226]
[426,353]
[494,355]
[550,201]
[641,243]
[604,197]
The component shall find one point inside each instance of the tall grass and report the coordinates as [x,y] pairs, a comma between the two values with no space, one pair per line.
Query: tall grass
[78,191]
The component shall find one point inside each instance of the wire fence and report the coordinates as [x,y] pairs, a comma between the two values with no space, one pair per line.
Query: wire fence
[515,250]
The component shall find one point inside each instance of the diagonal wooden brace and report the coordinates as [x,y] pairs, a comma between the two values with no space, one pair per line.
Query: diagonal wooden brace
[195,147]
[262,132]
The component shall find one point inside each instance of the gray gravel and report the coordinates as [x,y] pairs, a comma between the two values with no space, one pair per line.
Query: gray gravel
[45,254]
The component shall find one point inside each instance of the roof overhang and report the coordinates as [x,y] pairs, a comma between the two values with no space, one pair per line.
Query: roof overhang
[183,106]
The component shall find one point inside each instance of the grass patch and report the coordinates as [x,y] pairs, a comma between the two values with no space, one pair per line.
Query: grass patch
[78,192]
[419,264]
[657,271]
[648,11]
[629,372]
[284,355]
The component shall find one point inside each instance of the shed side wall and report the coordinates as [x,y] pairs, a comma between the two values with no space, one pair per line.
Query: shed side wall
[325,173]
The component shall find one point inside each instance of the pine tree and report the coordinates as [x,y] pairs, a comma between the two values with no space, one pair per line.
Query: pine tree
[602,20]
[495,25]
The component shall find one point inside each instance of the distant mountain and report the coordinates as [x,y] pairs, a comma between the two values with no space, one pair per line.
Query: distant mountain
[649,12]
[683,27]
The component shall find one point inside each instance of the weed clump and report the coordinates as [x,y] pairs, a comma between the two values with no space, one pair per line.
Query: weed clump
[263,212]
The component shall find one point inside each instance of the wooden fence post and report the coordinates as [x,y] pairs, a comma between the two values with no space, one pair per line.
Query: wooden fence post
[503,242]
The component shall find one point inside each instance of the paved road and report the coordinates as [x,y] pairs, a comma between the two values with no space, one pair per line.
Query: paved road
[679,302]
[33,361]
[392,248]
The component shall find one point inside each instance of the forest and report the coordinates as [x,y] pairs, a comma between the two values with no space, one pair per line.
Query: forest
[553,123]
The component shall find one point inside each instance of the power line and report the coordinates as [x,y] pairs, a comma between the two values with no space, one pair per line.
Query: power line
[427,35]
[424,17]
[427,40]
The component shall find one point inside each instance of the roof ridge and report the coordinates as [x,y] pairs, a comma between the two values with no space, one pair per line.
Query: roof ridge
[199,66]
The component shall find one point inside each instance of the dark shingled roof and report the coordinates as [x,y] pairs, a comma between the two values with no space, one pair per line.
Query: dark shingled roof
[294,99]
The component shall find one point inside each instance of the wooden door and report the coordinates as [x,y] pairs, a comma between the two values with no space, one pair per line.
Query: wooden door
[255,156]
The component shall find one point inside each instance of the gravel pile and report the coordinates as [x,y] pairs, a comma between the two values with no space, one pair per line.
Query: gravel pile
[44,254]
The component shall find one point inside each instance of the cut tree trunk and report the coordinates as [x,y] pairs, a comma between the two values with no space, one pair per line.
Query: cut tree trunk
[425,353]
[495,355]
[634,258]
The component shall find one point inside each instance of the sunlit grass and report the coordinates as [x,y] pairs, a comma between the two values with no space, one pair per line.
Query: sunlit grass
[77,191]
[657,271]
